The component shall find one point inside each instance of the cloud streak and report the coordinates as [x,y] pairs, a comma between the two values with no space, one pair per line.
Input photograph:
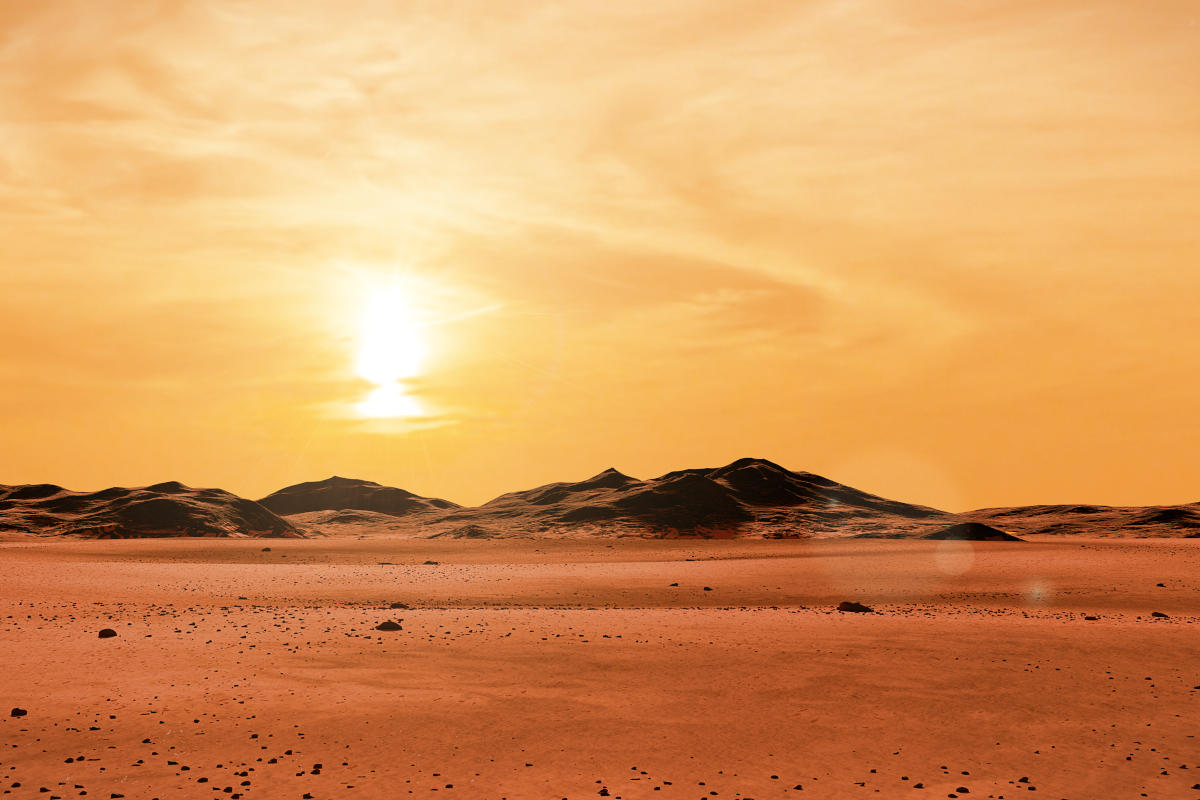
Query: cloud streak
[848,210]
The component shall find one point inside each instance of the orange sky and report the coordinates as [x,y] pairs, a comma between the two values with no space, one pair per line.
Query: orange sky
[945,251]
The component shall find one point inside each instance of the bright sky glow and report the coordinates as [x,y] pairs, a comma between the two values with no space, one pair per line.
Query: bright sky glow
[392,349]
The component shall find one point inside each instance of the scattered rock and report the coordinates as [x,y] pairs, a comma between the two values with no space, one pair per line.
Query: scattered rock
[388,625]
[107,633]
[1091,618]
[708,588]
[431,563]
[266,549]
[855,608]
[1160,615]
[399,605]
[18,712]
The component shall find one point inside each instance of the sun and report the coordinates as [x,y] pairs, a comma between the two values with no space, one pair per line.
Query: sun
[391,349]
[391,342]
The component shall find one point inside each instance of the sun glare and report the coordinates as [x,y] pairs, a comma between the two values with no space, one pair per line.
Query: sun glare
[391,350]
[390,402]
[392,345]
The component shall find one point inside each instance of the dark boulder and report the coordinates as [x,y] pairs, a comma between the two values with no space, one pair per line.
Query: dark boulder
[854,608]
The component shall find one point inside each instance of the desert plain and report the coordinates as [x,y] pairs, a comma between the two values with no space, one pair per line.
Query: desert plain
[581,668]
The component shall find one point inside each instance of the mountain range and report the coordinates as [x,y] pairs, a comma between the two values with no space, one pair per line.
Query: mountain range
[750,497]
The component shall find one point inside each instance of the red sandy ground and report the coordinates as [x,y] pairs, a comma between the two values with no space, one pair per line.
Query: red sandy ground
[567,669]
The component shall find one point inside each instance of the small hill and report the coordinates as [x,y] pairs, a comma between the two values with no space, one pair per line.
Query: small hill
[972,532]
[609,499]
[161,510]
[339,494]
[758,482]
[466,532]
[355,522]
[551,495]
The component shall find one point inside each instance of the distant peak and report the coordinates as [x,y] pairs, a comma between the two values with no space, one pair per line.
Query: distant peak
[613,472]
[338,480]
[167,487]
[609,478]
[33,491]
[752,463]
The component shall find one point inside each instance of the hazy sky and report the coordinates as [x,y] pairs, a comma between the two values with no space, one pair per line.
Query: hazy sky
[947,251]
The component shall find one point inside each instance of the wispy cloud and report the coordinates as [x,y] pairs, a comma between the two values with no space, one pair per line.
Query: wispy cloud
[876,195]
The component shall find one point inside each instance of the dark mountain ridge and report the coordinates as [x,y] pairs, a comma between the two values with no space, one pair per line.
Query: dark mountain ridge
[750,497]
[164,509]
[745,497]
[1094,520]
[340,494]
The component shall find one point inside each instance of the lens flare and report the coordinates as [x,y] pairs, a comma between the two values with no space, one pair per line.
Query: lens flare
[954,557]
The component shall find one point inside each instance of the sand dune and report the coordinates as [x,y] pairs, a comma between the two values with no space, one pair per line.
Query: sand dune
[164,509]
